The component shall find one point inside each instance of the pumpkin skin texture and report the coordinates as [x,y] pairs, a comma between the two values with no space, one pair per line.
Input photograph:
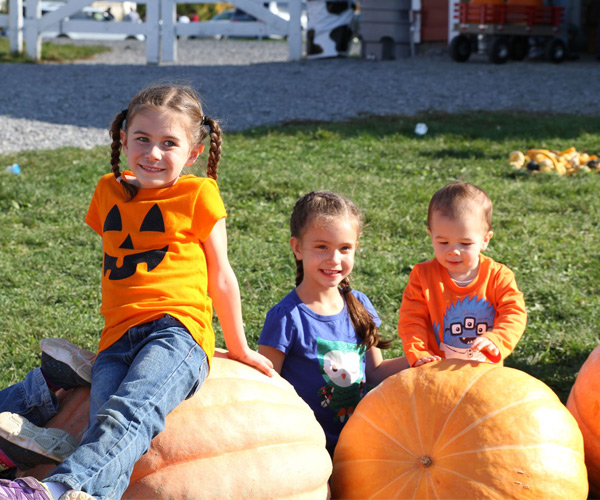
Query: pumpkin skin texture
[460,430]
[243,435]
[584,404]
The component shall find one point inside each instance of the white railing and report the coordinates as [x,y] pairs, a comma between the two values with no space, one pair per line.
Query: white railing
[160,28]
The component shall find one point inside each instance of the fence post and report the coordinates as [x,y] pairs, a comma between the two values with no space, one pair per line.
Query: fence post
[295,31]
[15,26]
[153,28]
[33,38]
[168,14]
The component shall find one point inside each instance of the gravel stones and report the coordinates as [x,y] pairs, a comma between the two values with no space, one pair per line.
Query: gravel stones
[247,83]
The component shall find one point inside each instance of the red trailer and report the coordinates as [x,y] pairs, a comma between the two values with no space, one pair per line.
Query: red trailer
[503,31]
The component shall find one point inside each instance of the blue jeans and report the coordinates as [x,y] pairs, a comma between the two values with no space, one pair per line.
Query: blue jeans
[30,398]
[136,383]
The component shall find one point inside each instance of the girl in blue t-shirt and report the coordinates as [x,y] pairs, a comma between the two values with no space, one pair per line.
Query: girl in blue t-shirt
[323,337]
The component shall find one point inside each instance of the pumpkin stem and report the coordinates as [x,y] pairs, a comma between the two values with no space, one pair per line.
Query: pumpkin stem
[426,461]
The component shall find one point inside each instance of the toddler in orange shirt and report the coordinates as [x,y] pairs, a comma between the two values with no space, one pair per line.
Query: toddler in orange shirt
[461,304]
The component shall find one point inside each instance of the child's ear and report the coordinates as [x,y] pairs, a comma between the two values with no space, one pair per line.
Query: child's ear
[124,140]
[194,153]
[295,245]
[486,240]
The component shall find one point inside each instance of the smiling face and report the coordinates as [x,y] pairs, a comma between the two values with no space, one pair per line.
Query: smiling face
[457,242]
[158,147]
[326,249]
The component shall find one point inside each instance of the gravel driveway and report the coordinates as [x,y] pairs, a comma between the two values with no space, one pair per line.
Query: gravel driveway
[250,83]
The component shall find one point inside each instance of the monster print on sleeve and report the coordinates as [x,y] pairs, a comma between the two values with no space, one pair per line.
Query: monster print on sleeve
[341,368]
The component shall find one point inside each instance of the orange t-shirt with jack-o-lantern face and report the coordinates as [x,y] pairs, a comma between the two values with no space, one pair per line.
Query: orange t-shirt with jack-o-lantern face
[154,263]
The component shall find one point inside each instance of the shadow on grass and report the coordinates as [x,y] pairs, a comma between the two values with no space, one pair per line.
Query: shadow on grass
[559,373]
[530,129]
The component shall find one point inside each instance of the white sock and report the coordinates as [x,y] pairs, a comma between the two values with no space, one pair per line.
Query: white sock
[56,489]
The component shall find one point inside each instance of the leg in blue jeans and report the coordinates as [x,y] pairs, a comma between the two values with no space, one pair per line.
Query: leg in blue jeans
[136,383]
[31,398]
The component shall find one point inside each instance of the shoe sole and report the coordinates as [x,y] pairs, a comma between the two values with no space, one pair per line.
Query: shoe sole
[28,445]
[78,359]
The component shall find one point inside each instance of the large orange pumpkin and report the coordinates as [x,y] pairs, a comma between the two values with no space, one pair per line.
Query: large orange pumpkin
[459,429]
[584,404]
[243,435]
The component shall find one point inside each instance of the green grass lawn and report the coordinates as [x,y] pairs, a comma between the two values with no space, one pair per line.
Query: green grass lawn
[546,227]
[52,52]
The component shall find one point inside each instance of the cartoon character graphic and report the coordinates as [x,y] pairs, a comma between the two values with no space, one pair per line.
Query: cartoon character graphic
[342,368]
[463,322]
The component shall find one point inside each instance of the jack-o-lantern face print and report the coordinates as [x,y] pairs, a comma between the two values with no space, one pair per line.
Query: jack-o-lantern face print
[153,221]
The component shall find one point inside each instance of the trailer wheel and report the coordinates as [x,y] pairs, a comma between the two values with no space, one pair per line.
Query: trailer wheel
[498,50]
[555,50]
[518,47]
[460,48]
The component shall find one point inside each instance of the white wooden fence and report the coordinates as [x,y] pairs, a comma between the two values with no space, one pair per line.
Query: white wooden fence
[160,27]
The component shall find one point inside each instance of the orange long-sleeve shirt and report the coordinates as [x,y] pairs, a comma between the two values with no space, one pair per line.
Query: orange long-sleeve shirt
[438,317]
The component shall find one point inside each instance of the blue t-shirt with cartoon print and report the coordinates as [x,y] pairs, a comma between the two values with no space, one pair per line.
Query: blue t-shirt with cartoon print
[323,358]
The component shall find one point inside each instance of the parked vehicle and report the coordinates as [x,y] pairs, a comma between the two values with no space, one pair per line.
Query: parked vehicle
[239,16]
[86,14]
[231,16]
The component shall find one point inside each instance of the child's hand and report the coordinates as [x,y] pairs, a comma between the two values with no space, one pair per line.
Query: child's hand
[484,344]
[256,360]
[427,359]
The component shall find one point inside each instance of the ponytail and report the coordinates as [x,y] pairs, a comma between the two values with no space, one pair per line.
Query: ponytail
[115,156]
[362,320]
[214,153]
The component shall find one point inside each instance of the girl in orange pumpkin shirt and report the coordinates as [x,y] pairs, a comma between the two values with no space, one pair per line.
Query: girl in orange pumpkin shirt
[165,266]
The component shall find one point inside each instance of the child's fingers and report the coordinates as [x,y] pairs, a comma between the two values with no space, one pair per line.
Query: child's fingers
[485,344]
[427,359]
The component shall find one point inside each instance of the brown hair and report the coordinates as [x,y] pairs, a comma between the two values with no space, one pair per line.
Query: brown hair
[455,198]
[322,207]
[175,97]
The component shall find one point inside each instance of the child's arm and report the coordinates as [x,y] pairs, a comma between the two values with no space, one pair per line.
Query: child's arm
[378,369]
[274,355]
[225,293]
[414,323]
[510,322]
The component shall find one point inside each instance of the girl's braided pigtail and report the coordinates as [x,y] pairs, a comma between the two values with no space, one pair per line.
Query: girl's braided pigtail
[216,139]
[362,321]
[115,156]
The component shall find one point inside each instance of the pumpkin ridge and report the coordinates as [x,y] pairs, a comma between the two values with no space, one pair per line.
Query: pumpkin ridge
[341,463]
[474,481]
[173,463]
[412,472]
[413,405]
[429,477]
[378,429]
[458,402]
[516,447]
[227,404]
[528,399]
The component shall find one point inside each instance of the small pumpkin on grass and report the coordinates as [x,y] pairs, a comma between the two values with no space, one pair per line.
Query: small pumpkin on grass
[243,435]
[459,429]
[584,404]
